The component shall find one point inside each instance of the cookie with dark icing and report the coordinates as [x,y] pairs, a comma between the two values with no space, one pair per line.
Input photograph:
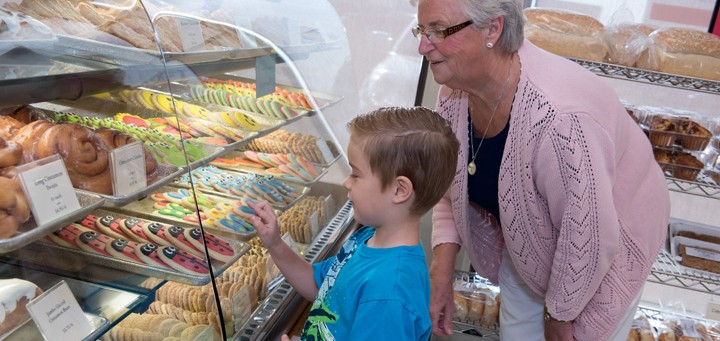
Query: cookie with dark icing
[183,261]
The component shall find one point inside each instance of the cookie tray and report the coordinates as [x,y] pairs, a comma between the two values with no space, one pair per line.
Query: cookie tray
[144,209]
[323,100]
[239,247]
[253,170]
[303,191]
[30,231]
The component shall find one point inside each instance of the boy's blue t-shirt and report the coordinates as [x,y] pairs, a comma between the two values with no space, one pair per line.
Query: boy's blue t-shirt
[379,294]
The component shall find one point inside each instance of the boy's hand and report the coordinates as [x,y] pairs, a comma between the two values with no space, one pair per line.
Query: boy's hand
[265,223]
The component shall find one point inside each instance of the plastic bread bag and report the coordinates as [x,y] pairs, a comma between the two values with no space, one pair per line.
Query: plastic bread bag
[641,330]
[626,42]
[684,52]
[476,303]
[683,329]
[566,33]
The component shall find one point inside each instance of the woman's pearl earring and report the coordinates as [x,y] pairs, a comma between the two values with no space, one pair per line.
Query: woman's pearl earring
[489,45]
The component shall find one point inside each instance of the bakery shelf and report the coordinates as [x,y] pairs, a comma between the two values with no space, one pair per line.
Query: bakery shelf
[704,186]
[278,300]
[666,271]
[646,76]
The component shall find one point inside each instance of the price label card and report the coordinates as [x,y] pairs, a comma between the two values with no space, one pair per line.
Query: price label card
[191,35]
[241,306]
[48,188]
[713,310]
[324,150]
[288,239]
[314,226]
[127,166]
[58,315]
[328,207]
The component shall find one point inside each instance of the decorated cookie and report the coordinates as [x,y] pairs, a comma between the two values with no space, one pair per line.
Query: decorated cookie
[156,233]
[148,253]
[95,242]
[176,236]
[123,249]
[217,248]
[67,236]
[133,228]
[111,227]
[183,261]
[90,222]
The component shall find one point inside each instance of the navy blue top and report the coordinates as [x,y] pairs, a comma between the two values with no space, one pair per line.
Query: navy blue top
[483,186]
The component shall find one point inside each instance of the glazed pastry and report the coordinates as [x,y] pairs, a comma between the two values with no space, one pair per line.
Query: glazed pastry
[10,153]
[14,207]
[84,153]
[15,294]
[9,127]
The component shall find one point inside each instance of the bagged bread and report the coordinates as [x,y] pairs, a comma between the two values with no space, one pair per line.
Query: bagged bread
[626,42]
[566,33]
[683,51]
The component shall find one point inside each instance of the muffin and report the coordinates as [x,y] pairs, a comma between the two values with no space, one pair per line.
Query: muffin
[694,135]
[687,167]
[662,131]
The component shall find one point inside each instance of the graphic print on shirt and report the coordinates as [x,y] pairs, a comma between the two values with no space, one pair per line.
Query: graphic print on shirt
[316,326]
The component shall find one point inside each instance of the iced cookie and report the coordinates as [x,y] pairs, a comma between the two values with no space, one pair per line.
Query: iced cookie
[95,242]
[148,253]
[176,236]
[217,248]
[111,227]
[183,261]
[123,249]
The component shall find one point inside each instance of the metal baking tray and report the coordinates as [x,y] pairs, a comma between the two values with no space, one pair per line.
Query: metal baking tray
[30,231]
[302,189]
[251,170]
[166,174]
[144,209]
[240,248]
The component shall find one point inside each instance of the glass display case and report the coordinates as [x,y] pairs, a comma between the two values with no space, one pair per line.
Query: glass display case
[132,136]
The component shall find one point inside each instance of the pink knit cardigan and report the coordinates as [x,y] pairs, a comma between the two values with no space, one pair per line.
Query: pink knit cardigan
[583,204]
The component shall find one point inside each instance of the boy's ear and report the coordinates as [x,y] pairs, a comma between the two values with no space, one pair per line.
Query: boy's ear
[403,189]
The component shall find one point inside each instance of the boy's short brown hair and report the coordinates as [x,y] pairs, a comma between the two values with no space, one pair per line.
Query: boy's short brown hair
[415,142]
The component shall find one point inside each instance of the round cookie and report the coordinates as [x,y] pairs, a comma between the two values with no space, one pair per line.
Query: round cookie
[111,227]
[123,249]
[183,261]
[217,248]
[148,254]
[133,228]
[89,222]
[94,242]
[67,235]
[156,232]
[176,236]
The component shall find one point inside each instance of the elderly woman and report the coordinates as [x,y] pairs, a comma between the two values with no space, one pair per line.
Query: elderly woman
[556,196]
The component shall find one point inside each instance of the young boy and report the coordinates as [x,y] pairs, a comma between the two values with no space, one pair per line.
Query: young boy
[377,287]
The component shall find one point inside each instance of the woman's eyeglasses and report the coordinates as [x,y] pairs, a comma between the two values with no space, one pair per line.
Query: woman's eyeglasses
[436,35]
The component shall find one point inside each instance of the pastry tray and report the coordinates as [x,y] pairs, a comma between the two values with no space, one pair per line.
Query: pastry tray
[165,174]
[30,231]
[678,225]
[143,209]
[252,170]
[240,248]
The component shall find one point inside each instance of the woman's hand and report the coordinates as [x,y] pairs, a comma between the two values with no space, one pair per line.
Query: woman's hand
[265,223]
[442,306]
[558,331]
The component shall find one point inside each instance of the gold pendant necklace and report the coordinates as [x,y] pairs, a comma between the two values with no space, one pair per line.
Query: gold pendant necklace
[471,165]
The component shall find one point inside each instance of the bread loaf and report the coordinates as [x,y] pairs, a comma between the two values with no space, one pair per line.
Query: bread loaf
[566,34]
[683,51]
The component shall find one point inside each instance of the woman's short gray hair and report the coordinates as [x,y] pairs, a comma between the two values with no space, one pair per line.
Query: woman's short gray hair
[482,12]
